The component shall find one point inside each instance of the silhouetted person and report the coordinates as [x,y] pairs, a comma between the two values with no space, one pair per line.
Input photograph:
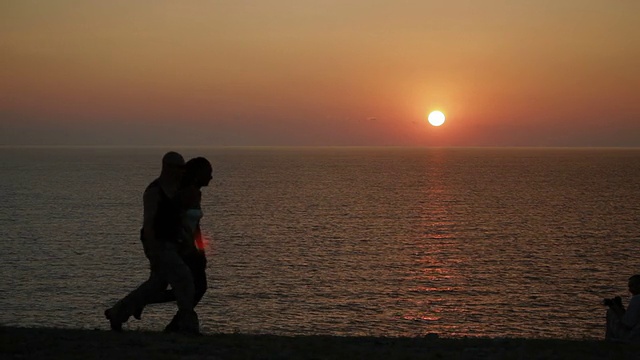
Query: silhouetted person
[198,174]
[161,237]
[624,324]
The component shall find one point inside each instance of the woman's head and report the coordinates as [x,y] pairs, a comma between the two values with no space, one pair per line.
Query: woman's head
[198,172]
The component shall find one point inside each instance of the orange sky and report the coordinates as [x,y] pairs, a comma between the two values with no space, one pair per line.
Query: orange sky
[506,73]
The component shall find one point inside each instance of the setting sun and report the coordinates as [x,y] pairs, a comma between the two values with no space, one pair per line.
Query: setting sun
[436,118]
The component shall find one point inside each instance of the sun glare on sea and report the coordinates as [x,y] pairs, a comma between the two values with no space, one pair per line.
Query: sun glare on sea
[436,118]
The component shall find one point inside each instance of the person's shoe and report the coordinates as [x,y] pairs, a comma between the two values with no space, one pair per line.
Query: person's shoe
[184,323]
[113,322]
[189,324]
[173,326]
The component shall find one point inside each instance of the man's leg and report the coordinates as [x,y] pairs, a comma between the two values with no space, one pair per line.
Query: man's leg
[179,276]
[158,298]
[200,285]
[151,250]
[197,264]
[123,309]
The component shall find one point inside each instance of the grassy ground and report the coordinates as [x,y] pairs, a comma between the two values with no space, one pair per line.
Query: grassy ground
[44,343]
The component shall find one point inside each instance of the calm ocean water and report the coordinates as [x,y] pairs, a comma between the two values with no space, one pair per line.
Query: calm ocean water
[342,241]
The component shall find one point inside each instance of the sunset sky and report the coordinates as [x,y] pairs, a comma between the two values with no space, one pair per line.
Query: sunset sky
[325,72]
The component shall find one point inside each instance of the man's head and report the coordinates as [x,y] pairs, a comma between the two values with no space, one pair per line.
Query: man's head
[634,284]
[172,165]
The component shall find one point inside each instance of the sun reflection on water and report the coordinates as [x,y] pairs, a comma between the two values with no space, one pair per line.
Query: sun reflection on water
[435,276]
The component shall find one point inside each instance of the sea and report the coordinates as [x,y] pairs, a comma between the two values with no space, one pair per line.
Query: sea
[343,241]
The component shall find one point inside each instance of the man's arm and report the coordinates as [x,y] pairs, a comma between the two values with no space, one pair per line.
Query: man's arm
[150,201]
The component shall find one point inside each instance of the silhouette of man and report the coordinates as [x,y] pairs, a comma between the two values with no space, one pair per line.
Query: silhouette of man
[624,324]
[160,235]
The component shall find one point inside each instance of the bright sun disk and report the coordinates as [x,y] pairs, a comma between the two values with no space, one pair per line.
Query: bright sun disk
[436,118]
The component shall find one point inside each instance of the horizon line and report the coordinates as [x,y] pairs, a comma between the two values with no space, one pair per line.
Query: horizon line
[26,146]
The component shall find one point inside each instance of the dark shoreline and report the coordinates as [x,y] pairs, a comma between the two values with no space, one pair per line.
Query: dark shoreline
[51,343]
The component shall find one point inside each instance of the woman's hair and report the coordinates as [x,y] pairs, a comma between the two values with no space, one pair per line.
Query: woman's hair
[193,167]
